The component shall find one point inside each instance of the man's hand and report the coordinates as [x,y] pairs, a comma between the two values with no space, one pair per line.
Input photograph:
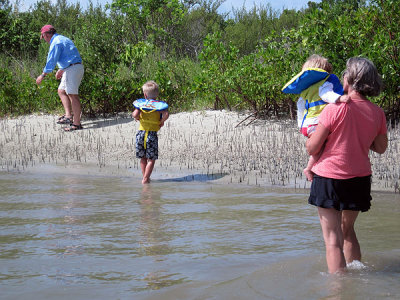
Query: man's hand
[39,79]
[59,74]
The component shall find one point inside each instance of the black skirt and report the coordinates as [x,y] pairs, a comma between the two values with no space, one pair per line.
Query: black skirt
[341,194]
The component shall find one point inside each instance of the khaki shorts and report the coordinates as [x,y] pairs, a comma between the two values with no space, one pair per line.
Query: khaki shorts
[71,79]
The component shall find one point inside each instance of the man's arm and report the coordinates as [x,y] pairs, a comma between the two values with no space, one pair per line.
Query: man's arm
[52,58]
[40,78]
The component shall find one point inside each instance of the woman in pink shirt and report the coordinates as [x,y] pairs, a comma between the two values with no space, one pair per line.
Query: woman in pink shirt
[341,184]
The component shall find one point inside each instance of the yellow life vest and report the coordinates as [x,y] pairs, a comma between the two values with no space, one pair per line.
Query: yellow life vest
[307,84]
[149,121]
[314,103]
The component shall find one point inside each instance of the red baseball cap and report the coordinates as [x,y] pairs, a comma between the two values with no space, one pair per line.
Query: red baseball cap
[46,28]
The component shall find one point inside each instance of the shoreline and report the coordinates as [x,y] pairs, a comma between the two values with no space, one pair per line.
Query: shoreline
[206,144]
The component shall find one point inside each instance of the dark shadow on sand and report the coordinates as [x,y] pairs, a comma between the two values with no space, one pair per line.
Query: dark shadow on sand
[194,177]
[101,123]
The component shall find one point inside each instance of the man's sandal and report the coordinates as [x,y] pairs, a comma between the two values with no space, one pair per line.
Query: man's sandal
[64,120]
[73,127]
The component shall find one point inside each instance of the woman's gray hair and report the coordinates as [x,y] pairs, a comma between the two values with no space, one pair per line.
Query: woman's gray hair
[363,77]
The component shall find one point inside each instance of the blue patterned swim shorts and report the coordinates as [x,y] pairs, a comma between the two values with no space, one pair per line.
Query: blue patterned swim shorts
[151,151]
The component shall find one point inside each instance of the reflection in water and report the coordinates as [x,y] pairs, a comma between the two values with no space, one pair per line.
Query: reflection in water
[334,287]
[71,193]
[154,241]
[68,232]
[150,222]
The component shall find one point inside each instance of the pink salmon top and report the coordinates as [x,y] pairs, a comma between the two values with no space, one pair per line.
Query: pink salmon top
[352,127]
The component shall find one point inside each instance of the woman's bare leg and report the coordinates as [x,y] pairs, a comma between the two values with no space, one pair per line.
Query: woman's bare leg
[351,247]
[331,220]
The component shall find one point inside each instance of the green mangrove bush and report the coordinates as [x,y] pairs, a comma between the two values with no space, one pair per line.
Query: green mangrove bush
[200,58]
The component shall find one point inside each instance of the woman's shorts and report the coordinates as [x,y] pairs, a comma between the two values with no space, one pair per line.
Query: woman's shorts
[151,151]
[341,194]
[71,79]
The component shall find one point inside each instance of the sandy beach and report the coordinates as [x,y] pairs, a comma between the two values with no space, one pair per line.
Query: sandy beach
[203,144]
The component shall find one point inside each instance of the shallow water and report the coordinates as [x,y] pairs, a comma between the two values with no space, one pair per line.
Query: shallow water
[67,234]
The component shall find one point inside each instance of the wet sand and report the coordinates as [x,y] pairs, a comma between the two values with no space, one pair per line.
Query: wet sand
[203,144]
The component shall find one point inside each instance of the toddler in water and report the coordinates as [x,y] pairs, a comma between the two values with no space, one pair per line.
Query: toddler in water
[317,87]
[146,137]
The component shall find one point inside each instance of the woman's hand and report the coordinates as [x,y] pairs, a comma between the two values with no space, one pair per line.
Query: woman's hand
[380,143]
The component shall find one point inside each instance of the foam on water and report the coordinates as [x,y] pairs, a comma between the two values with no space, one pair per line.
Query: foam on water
[356,265]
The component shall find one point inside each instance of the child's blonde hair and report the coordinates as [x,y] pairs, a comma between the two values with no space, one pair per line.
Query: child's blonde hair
[318,61]
[151,89]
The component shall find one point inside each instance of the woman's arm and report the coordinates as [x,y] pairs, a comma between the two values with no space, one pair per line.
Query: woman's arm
[317,139]
[380,143]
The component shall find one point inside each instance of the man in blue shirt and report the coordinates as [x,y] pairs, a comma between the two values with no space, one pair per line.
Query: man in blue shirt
[65,55]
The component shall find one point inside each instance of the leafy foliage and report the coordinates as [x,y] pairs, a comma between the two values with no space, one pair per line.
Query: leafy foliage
[200,57]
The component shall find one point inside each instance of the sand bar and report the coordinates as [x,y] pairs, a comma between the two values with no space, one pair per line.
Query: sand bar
[205,144]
